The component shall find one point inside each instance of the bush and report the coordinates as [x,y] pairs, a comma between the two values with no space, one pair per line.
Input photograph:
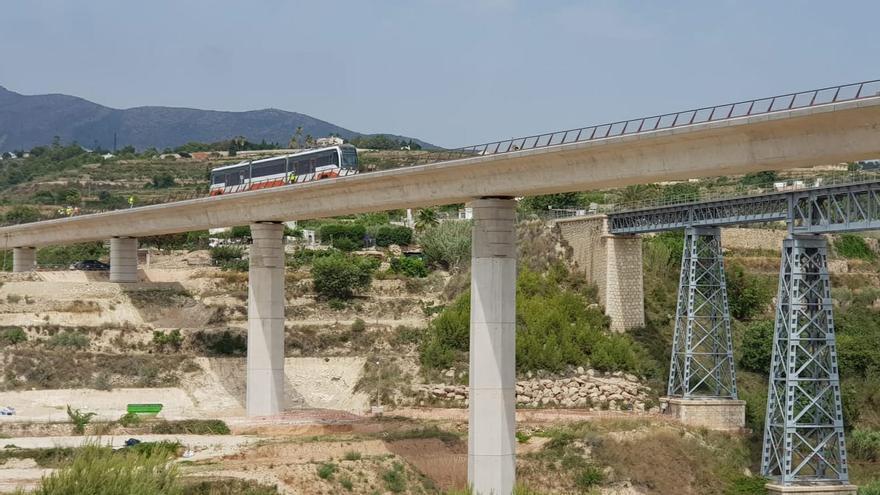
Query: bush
[12,336]
[764,178]
[339,276]
[172,339]
[395,479]
[588,477]
[346,237]
[393,234]
[69,338]
[326,471]
[79,419]
[757,347]
[746,294]
[864,445]
[229,486]
[221,255]
[358,325]
[853,247]
[225,343]
[447,244]
[409,266]
[191,427]
[101,471]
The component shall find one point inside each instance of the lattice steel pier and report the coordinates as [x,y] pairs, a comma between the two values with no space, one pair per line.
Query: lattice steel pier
[702,353]
[803,436]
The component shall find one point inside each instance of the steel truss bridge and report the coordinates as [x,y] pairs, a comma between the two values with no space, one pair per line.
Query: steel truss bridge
[804,439]
[818,210]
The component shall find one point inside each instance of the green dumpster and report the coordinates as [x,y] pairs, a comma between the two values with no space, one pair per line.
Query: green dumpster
[144,409]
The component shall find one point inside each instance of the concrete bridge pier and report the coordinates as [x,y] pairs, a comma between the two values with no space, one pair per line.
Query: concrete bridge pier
[24,259]
[123,259]
[492,418]
[265,349]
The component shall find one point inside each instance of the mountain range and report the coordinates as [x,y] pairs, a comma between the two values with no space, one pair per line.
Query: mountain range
[32,120]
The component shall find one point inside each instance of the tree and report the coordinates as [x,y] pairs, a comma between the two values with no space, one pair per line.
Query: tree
[297,138]
[425,218]
[757,347]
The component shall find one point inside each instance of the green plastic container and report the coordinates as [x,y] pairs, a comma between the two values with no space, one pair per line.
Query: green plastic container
[144,409]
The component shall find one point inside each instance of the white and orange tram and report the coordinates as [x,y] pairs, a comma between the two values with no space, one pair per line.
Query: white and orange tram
[335,161]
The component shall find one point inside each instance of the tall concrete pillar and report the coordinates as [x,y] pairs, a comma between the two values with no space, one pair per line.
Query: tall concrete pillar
[265,350]
[492,420]
[123,259]
[24,259]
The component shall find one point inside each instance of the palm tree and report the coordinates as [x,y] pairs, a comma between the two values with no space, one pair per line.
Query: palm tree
[297,138]
[426,217]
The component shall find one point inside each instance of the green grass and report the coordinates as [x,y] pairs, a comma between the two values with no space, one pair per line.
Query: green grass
[191,427]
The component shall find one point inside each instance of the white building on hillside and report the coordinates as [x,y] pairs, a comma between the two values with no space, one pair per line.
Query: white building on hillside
[329,141]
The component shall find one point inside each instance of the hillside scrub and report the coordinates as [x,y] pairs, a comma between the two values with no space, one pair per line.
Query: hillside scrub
[556,328]
[410,267]
[853,246]
[339,276]
[343,236]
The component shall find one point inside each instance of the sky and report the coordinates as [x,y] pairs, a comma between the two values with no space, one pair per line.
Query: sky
[451,72]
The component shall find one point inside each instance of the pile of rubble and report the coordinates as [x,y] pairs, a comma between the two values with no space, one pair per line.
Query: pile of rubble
[587,389]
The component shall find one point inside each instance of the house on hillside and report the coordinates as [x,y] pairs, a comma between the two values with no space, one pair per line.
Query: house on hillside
[329,141]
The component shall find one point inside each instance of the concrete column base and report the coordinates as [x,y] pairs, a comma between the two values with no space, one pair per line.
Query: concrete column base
[714,414]
[774,489]
[24,259]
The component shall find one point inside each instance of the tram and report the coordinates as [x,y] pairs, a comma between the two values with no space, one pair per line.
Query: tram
[306,166]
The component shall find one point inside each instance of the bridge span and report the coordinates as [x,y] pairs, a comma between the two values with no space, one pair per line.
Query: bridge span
[801,129]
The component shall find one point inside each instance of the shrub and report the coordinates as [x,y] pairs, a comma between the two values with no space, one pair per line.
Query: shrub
[101,471]
[240,232]
[395,479]
[352,455]
[346,237]
[764,178]
[129,419]
[358,325]
[864,445]
[69,338]
[588,477]
[447,244]
[79,419]
[12,336]
[229,486]
[757,347]
[221,255]
[326,470]
[340,276]
[225,343]
[387,235]
[172,339]
[746,294]
[872,488]
[191,427]
[409,266]
[853,247]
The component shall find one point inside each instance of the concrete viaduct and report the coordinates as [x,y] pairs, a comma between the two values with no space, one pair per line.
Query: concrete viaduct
[805,129]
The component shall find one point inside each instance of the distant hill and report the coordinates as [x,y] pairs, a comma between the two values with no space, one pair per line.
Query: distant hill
[27,121]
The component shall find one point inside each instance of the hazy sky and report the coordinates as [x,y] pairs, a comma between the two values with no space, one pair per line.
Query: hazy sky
[451,72]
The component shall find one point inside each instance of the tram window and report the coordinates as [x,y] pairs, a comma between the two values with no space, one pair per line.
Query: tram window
[268,169]
[349,159]
[217,178]
[233,178]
